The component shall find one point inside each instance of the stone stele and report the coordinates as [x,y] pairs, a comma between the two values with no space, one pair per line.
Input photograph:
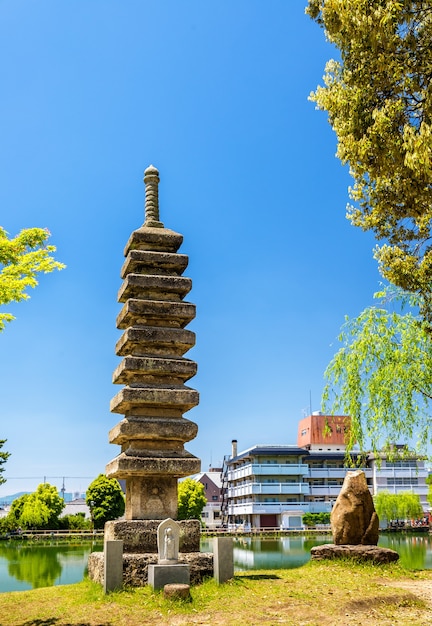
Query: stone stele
[154,397]
[355,525]
[353,518]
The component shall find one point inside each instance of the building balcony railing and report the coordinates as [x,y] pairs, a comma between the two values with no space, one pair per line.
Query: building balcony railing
[335,472]
[268,489]
[325,490]
[268,469]
[268,508]
[418,489]
[402,472]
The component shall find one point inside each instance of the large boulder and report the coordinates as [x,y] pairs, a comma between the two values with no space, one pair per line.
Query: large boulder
[353,518]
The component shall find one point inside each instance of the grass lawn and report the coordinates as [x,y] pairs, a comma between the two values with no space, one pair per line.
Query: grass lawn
[319,594]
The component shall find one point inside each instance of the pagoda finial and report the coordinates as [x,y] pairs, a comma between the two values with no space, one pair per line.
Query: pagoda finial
[151,181]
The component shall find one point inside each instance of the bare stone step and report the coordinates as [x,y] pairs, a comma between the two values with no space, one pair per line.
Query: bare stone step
[152,287]
[124,466]
[148,238]
[152,428]
[155,313]
[130,400]
[155,341]
[151,262]
[154,370]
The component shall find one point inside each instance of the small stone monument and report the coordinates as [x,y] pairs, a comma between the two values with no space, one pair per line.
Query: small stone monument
[153,399]
[168,542]
[353,518]
[168,570]
[355,525]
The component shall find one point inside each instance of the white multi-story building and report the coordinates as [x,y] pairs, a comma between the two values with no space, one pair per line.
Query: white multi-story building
[273,486]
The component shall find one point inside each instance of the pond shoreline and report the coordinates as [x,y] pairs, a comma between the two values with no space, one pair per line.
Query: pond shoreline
[48,535]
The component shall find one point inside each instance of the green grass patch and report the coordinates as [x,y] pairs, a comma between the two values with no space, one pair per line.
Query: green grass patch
[317,594]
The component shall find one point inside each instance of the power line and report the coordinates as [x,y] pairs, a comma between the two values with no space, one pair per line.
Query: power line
[45,477]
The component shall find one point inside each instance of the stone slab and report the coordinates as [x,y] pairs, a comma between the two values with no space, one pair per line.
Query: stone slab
[113,565]
[153,287]
[129,400]
[150,429]
[153,262]
[223,559]
[148,238]
[161,575]
[356,552]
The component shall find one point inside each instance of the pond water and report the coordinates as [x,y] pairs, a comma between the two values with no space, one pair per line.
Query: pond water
[415,551]
[25,565]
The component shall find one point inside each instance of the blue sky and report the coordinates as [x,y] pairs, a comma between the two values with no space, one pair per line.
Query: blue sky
[215,95]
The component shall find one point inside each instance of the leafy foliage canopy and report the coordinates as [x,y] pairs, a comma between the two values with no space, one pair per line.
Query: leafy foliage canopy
[105,499]
[191,499]
[22,258]
[378,98]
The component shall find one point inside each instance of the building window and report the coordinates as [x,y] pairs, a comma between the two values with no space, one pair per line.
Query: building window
[401,464]
[214,498]
[402,481]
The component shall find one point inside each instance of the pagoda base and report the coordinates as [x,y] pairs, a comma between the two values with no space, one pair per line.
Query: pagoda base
[135,567]
[140,536]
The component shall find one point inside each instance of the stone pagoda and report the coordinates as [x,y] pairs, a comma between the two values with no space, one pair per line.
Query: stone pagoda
[153,368]
[154,397]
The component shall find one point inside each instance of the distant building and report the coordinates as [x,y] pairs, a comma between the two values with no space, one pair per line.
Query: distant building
[211,480]
[273,486]
[76,506]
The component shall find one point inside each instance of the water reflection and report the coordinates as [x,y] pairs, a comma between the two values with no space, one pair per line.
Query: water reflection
[415,551]
[42,565]
[25,566]
[284,552]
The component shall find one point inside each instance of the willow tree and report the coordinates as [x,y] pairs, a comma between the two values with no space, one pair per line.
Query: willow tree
[382,377]
[22,259]
[378,97]
[401,506]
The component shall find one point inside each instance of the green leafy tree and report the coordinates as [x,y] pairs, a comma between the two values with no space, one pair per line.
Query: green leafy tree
[3,458]
[404,505]
[191,499]
[75,521]
[105,499]
[22,258]
[386,505]
[312,519]
[379,103]
[382,377]
[40,509]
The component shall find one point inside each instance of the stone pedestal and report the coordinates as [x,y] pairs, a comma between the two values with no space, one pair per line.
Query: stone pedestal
[140,536]
[135,567]
[161,575]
